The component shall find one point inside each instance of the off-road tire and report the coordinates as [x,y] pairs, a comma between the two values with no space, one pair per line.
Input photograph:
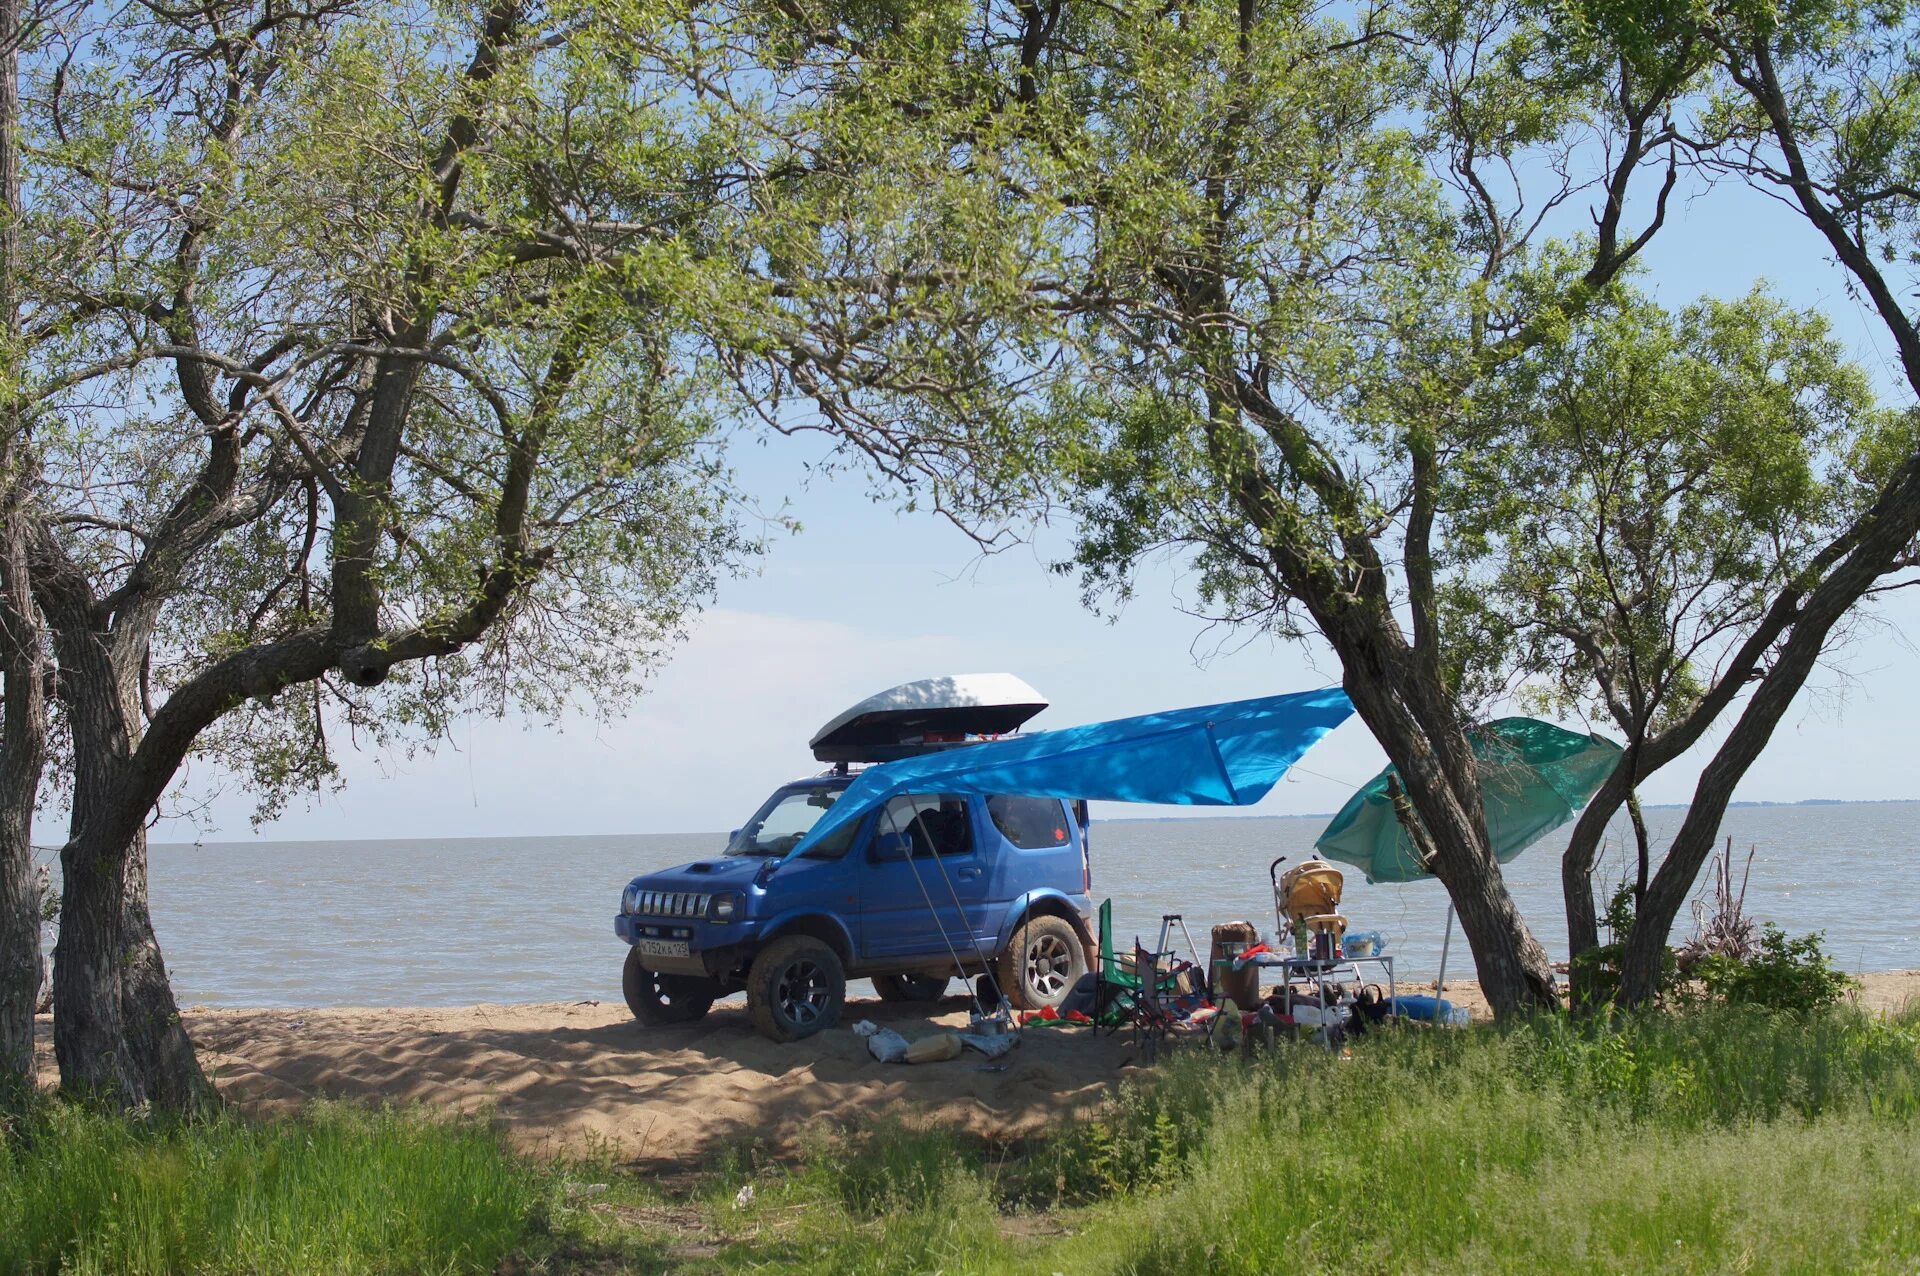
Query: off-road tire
[1043,962]
[911,987]
[660,1000]
[796,987]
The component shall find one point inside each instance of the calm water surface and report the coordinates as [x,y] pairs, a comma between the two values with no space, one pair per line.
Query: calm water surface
[457,921]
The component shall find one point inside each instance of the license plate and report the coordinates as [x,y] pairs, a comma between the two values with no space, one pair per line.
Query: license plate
[662,947]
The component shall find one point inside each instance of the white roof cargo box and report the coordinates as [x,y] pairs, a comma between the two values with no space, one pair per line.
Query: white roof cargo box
[920,717]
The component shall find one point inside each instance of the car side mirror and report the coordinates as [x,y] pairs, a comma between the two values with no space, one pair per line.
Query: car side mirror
[888,847]
[731,836]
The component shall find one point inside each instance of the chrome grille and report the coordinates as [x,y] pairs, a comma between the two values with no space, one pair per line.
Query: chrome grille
[671,904]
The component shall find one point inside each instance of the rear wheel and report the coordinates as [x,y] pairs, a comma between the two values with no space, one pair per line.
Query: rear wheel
[658,999]
[1042,964]
[910,987]
[795,988]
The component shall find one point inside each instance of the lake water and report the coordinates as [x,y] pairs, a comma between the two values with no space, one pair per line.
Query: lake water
[458,921]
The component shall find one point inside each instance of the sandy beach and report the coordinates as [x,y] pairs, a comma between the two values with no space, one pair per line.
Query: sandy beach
[563,1076]
[1880,990]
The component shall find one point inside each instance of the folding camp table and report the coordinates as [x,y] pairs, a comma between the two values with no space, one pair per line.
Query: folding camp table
[1318,972]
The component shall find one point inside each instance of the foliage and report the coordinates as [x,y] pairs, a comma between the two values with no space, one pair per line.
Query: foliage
[1599,966]
[1302,320]
[311,234]
[1634,493]
[1792,974]
[1294,303]
[371,377]
[334,1190]
[1471,1150]
[1778,973]
[1477,1149]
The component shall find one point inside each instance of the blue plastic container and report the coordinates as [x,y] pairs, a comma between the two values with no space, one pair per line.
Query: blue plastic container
[1363,943]
[1424,1008]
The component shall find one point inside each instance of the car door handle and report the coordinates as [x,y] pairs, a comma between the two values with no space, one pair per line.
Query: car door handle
[966,872]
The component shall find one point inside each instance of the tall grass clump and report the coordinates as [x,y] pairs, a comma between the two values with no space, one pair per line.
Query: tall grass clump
[335,1189]
[896,1197]
[1722,1138]
[1719,1140]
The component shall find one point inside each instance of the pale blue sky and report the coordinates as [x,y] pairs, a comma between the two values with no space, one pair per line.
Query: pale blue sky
[865,598]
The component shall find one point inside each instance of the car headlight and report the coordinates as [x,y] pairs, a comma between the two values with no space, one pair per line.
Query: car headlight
[626,899]
[725,907]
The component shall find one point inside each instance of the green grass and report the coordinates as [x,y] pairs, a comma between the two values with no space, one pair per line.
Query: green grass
[336,1190]
[1719,1140]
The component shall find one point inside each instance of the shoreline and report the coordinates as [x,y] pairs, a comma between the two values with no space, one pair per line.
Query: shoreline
[563,1077]
[1882,984]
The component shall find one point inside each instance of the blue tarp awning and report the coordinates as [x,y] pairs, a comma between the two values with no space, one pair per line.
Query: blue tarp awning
[1212,755]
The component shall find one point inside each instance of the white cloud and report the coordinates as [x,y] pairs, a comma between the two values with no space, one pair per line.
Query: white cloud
[724,722]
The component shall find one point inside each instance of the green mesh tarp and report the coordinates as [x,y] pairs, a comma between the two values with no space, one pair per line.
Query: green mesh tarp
[1533,777]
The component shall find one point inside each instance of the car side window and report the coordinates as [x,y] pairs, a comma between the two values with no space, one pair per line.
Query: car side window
[1029,823]
[835,844]
[935,823]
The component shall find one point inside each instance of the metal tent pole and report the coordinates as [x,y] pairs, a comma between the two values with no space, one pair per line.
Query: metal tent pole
[1440,984]
[934,913]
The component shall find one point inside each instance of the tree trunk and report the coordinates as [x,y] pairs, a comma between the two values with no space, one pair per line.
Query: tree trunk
[23,741]
[157,1042]
[23,708]
[1576,889]
[117,1030]
[23,734]
[1515,975]
[1643,851]
[89,1040]
[1890,529]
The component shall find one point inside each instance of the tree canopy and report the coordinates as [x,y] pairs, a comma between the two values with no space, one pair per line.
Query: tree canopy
[370,374]
[370,363]
[1289,276]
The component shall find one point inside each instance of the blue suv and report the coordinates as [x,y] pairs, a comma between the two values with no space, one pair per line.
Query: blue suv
[916,890]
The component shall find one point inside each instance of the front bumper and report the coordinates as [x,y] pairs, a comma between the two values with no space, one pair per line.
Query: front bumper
[712,948]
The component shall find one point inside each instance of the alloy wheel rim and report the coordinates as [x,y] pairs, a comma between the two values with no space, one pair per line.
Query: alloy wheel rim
[1048,963]
[801,993]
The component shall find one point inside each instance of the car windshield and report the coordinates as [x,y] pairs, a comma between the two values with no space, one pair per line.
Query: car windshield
[778,826]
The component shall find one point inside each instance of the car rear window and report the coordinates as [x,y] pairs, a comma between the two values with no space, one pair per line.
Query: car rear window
[1029,823]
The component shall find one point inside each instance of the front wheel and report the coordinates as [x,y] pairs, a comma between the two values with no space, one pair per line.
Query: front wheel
[1042,964]
[795,988]
[660,1000]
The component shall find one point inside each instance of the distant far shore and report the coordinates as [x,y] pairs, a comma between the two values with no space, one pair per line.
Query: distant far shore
[1210,813]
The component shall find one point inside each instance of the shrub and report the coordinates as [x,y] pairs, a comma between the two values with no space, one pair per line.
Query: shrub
[1784,974]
